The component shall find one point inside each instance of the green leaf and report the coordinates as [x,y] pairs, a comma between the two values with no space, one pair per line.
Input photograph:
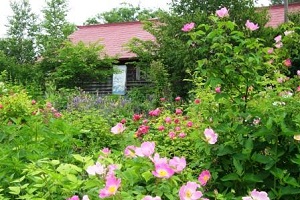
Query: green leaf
[278,173]
[238,166]
[19,180]
[261,158]
[289,190]
[14,190]
[230,177]
[252,178]
[147,175]
[291,181]
[81,158]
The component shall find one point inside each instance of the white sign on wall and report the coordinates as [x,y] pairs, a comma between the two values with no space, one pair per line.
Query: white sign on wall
[119,80]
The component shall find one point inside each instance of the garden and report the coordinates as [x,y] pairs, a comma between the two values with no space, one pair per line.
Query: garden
[234,136]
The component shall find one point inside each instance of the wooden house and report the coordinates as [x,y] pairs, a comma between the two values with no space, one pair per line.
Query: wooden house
[114,37]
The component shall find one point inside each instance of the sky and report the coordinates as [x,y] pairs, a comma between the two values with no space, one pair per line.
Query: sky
[81,10]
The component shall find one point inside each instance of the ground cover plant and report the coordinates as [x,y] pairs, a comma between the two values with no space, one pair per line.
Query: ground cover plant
[236,138]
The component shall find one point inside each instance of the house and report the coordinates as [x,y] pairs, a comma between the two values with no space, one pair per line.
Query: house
[276,13]
[114,37]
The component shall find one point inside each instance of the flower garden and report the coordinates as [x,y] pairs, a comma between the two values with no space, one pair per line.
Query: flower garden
[236,137]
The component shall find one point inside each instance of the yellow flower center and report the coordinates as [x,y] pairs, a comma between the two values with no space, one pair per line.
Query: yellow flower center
[188,194]
[162,173]
[206,178]
[112,189]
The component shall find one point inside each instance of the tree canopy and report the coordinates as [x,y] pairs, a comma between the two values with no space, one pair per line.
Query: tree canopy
[125,13]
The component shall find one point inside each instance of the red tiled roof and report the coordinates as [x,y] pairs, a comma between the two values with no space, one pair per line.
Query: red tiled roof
[277,13]
[113,36]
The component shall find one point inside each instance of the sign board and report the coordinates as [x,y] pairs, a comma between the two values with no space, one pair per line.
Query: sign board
[119,80]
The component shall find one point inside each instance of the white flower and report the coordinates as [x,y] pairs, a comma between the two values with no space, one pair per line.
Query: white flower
[98,168]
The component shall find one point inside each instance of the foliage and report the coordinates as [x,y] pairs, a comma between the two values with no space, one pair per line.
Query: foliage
[294,17]
[252,112]
[22,29]
[169,37]
[76,63]
[55,27]
[125,13]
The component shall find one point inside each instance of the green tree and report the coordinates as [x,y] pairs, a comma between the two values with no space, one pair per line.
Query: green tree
[22,30]
[125,13]
[55,26]
[79,63]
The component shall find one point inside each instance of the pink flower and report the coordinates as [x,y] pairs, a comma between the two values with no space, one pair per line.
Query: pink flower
[177,164]
[251,26]
[158,160]
[98,168]
[155,112]
[287,62]
[130,151]
[189,191]
[142,130]
[33,102]
[277,38]
[197,101]
[111,171]
[177,98]
[210,135]
[223,12]
[188,27]
[270,51]
[123,121]
[136,117]
[298,72]
[204,177]
[278,45]
[177,128]
[163,170]
[280,80]
[178,111]
[189,124]
[75,197]
[117,129]
[256,195]
[218,89]
[106,151]
[172,135]
[151,198]
[176,121]
[146,149]
[298,89]
[161,128]
[168,120]
[182,135]
[57,114]
[256,121]
[111,186]
[162,99]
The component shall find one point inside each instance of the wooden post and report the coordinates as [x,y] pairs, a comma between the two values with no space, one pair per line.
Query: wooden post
[286,5]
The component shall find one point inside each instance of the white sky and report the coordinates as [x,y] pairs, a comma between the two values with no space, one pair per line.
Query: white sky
[81,10]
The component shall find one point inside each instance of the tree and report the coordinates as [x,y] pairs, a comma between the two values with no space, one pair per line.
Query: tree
[55,27]
[79,63]
[22,30]
[125,13]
